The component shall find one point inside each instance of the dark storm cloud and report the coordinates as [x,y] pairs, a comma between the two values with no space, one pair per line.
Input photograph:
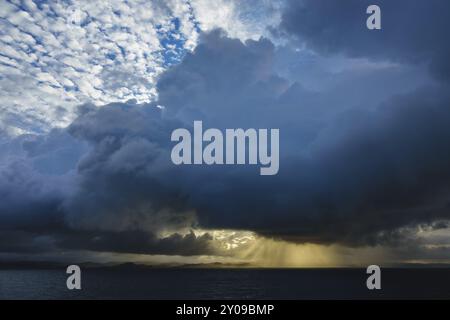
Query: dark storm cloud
[64,239]
[355,177]
[222,81]
[19,241]
[124,178]
[366,176]
[137,242]
[412,31]
[101,184]
[27,199]
[347,175]
[375,172]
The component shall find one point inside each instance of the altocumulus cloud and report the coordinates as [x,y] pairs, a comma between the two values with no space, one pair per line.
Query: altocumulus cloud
[65,53]
[352,175]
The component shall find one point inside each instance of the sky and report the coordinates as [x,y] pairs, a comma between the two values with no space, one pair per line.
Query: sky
[91,91]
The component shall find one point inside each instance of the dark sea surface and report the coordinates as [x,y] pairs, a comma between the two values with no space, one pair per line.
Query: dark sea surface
[194,283]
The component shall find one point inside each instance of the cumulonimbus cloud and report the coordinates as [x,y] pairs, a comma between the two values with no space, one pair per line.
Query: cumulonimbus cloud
[355,179]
